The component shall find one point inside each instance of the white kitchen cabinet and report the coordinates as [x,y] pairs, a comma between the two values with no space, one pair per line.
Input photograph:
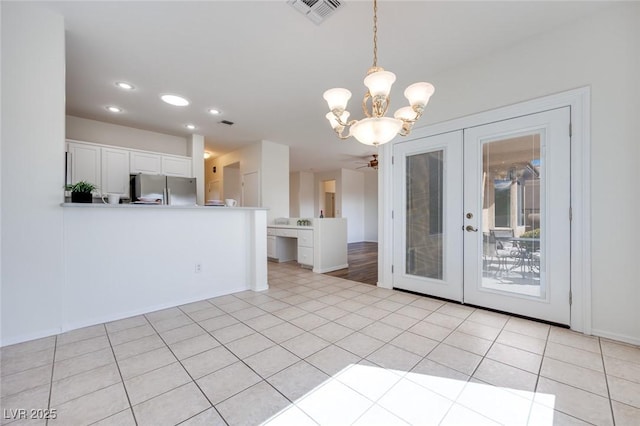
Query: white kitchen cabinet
[305,255]
[145,162]
[321,246]
[109,168]
[271,247]
[305,247]
[115,172]
[85,163]
[305,238]
[176,166]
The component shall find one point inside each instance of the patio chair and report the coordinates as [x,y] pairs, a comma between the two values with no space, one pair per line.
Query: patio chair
[508,253]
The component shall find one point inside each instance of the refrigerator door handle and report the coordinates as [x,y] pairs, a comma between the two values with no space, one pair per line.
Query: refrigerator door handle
[164,196]
[168,196]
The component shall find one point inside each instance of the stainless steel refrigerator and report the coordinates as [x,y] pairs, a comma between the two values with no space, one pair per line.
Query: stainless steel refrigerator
[175,191]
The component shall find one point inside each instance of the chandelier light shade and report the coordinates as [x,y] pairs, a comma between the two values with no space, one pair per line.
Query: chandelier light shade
[376,129]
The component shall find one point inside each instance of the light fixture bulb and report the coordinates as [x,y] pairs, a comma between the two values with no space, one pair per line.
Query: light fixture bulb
[337,98]
[334,122]
[207,155]
[418,94]
[174,100]
[214,111]
[376,130]
[405,113]
[379,83]
[115,109]
[190,126]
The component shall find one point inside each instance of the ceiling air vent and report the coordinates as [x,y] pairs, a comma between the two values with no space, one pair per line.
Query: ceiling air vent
[316,10]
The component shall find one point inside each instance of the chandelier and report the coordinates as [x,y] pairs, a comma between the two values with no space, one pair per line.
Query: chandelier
[376,129]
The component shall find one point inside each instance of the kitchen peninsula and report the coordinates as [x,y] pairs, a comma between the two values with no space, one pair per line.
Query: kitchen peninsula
[124,260]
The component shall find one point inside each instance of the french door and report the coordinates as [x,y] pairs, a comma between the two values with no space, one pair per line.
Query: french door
[482,215]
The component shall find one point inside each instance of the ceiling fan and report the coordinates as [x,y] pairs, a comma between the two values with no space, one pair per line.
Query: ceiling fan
[372,163]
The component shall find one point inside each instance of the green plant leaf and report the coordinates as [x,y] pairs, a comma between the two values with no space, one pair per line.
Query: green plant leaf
[81,186]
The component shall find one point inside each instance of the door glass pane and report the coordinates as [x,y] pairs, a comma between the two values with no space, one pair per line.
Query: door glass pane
[424,242]
[512,208]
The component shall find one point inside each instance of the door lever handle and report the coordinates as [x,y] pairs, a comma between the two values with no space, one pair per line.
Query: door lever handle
[470,228]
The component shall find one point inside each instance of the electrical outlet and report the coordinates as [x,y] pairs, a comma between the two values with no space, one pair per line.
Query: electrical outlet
[198,268]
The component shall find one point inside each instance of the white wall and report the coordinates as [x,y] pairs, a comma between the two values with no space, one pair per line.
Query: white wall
[271,161]
[275,180]
[294,194]
[353,204]
[602,52]
[301,194]
[83,129]
[232,184]
[195,150]
[370,206]
[32,151]
[306,195]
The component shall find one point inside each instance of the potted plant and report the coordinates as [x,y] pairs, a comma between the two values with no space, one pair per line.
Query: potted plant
[81,191]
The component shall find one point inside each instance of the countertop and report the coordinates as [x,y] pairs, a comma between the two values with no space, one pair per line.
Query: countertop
[290,226]
[154,206]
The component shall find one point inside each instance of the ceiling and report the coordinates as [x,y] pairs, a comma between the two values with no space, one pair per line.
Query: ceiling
[266,66]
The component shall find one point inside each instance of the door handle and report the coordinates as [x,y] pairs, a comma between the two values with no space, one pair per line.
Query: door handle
[470,228]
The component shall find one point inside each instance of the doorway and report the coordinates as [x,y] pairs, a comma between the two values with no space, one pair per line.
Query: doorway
[232,182]
[484,215]
[328,198]
[251,190]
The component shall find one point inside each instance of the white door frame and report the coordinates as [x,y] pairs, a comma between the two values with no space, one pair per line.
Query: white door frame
[579,101]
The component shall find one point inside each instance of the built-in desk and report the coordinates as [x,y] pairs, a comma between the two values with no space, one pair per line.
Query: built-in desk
[321,246]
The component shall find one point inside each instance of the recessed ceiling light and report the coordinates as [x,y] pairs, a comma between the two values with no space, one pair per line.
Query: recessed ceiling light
[207,155]
[190,126]
[124,85]
[112,108]
[214,111]
[175,100]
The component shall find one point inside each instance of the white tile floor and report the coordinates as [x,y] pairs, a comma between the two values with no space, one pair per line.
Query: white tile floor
[314,349]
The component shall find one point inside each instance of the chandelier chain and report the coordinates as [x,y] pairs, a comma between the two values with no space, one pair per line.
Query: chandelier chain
[375,33]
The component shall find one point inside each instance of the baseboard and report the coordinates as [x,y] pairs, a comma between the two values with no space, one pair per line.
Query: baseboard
[69,326]
[330,269]
[145,310]
[30,336]
[615,336]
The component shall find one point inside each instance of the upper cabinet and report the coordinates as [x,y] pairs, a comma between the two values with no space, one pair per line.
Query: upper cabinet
[109,168]
[176,166]
[115,171]
[146,162]
[160,164]
[85,163]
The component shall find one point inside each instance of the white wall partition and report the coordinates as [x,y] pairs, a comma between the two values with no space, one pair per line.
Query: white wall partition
[33,85]
[126,260]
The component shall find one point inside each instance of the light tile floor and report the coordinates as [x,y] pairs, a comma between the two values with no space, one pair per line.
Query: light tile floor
[315,349]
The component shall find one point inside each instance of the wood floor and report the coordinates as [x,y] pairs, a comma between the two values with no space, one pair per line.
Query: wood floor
[363,263]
